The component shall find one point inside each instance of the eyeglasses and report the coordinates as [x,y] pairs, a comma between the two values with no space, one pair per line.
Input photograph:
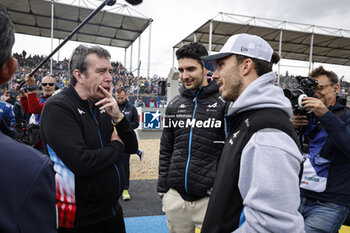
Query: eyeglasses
[321,87]
[45,84]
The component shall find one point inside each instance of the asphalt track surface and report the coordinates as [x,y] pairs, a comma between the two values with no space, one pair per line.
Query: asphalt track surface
[149,134]
[144,199]
[143,213]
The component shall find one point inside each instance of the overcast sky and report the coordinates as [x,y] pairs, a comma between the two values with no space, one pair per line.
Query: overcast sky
[176,19]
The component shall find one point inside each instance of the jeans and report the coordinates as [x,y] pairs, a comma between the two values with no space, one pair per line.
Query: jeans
[322,216]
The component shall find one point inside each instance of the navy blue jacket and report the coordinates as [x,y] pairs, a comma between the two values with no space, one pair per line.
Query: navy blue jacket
[131,114]
[27,196]
[337,150]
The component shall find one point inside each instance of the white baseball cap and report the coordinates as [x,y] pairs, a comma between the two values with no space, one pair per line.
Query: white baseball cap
[241,44]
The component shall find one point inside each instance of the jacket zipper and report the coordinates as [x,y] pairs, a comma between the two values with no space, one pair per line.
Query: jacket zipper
[190,139]
[99,134]
[227,125]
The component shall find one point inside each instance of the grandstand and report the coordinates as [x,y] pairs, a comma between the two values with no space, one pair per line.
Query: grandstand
[148,87]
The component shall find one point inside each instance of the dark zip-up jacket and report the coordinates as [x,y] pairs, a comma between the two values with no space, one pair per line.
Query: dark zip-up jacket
[27,196]
[131,114]
[89,173]
[337,150]
[191,143]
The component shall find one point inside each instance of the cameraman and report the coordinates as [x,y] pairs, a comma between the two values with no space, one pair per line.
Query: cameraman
[326,136]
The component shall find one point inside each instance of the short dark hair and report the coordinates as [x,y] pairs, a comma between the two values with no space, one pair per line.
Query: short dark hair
[262,67]
[192,50]
[333,78]
[7,35]
[78,59]
[120,90]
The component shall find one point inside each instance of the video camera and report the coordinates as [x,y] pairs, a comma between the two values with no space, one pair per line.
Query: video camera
[12,94]
[307,88]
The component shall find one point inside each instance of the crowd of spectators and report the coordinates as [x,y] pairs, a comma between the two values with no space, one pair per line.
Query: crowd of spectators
[148,87]
[121,76]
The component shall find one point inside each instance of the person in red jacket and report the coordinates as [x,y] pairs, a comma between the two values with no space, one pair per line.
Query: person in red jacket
[30,102]
[152,103]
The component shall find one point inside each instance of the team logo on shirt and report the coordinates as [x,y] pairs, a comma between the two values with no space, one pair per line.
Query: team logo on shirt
[214,105]
[246,122]
[234,135]
[81,112]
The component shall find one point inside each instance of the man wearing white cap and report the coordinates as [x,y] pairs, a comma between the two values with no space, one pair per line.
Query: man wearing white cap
[256,188]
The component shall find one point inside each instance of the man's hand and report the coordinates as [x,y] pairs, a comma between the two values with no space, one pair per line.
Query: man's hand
[314,105]
[299,120]
[22,93]
[109,104]
[30,80]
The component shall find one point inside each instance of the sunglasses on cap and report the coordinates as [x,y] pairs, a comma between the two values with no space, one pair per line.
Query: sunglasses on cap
[45,84]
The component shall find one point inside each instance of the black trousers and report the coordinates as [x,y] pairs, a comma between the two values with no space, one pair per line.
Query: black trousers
[113,225]
[126,165]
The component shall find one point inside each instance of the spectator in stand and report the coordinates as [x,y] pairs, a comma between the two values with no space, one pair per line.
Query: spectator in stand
[5,96]
[130,112]
[139,103]
[27,196]
[152,103]
[32,105]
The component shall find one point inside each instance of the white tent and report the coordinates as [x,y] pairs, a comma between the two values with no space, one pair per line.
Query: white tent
[38,17]
[294,41]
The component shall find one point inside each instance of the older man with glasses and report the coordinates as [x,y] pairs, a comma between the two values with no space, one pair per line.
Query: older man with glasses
[325,134]
[31,104]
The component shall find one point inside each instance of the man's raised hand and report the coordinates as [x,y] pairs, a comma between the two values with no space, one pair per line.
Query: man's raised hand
[109,104]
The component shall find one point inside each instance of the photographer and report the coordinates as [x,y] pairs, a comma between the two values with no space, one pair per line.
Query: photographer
[325,135]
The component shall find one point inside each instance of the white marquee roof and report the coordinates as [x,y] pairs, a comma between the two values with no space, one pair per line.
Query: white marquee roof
[330,45]
[33,17]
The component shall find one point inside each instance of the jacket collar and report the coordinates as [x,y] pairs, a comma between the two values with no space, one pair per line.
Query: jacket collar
[203,92]
[73,95]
